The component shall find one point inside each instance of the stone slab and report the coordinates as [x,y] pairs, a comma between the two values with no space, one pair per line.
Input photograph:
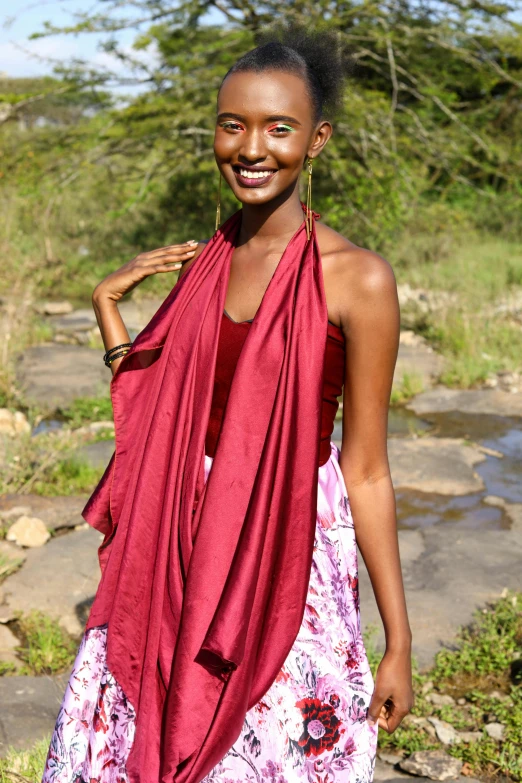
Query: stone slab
[489,402]
[29,709]
[55,512]
[53,375]
[417,360]
[455,572]
[59,579]
[441,465]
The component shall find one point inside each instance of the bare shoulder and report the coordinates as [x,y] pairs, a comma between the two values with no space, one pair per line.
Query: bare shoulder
[353,275]
[187,264]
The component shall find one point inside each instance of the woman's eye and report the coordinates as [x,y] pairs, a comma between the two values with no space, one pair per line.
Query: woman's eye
[229,125]
[279,129]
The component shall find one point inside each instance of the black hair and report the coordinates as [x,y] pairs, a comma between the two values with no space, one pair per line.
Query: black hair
[318,56]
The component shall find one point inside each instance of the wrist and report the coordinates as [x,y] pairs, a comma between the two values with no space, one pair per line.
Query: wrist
[399,643]
[102,298]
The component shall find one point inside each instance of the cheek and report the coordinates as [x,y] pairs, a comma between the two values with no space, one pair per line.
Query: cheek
[288,152]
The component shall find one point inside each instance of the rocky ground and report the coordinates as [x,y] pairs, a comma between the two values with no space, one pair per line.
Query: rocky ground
[455,461]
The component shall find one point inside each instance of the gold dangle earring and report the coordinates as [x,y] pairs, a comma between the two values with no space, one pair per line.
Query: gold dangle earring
[218,206]
[309,200]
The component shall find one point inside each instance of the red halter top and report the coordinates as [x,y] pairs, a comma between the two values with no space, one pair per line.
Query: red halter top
[232,335]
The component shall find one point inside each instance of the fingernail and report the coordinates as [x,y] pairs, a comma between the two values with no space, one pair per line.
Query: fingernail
[371,721]
[192,242]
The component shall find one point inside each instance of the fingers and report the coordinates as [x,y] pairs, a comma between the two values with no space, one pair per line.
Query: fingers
[388,717]
[175,250]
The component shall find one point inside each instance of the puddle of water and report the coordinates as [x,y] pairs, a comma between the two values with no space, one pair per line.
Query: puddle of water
[421,509]
[47,425]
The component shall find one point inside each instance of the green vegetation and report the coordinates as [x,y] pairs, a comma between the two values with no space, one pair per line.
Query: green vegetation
[424,167]
[410,385]
[24,766]
[84,410]
[483,675]
[46,647]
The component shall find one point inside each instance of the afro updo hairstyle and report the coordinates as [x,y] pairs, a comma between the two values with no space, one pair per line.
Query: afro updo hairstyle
[318,56]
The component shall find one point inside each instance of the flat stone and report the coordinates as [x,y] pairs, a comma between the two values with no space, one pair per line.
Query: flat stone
[418,360]
[8,645]
[440,699]
[433,764]
[60,579]
[53,375]
[57,308]
[513,511]
[454,574]
[30,707]
[28,532]
[440,465]
[56,512]
[444,730]
[495,731]
[482,401]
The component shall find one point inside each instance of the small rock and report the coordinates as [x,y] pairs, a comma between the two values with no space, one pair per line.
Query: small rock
[440,699]
[433,764]
[8,645]
[494,500]
[409,337]
[95,427]
[469,736]
[499,696]
[445,731]
[13,423]
[57,308]
[29,532]
[390,758]
[15,511]
[428,686]
[495,731]
[461,701]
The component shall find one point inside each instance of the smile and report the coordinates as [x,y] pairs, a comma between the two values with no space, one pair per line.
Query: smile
[253,177]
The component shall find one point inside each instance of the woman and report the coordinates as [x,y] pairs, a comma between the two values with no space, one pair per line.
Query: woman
[230,578]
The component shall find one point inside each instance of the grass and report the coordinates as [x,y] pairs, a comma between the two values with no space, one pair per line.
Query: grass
[25,766]
[46,648]
[484,670]
[84,410]
[410,385]
[478,270]
[48,465]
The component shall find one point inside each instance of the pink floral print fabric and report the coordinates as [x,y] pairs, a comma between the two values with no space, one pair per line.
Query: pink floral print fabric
[310,727]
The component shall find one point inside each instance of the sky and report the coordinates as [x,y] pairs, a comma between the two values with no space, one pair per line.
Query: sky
[21,57]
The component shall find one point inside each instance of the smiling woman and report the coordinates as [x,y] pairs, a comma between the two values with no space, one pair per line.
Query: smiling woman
[224,643]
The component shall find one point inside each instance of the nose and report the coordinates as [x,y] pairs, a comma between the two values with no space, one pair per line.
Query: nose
[253,149]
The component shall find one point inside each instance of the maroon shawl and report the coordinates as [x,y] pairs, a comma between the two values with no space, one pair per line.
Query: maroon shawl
[204,586]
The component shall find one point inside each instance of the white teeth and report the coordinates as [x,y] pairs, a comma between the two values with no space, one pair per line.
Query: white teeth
[253,174]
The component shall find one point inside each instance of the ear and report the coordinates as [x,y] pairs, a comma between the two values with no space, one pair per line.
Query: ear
[320,138]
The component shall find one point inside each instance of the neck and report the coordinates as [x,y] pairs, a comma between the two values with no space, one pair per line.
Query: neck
[274,222]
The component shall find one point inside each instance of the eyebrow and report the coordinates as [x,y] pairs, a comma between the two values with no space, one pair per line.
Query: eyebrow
[272,118]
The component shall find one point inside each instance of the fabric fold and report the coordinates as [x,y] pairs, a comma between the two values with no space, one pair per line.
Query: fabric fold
[203,586]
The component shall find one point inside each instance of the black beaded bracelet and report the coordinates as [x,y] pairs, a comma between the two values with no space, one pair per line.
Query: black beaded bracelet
[109,361]
[116,347]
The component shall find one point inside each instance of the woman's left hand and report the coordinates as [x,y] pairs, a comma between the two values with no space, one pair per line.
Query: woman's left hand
[392,697]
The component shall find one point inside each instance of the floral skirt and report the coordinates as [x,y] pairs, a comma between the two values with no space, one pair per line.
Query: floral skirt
[310,727]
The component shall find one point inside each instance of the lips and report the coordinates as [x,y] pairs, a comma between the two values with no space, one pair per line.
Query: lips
[252,177]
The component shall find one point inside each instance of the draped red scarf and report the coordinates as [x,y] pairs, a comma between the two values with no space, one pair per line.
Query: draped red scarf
[203,587]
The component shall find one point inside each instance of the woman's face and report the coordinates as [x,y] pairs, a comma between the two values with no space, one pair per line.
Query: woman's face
[264,132]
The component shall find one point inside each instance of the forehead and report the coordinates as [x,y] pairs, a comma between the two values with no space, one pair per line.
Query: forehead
[264,93]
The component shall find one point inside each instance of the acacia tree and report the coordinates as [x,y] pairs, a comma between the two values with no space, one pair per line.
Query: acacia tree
[431,114]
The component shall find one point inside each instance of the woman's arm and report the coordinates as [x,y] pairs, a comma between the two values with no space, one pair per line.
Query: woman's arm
[370,318]
[108,293]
